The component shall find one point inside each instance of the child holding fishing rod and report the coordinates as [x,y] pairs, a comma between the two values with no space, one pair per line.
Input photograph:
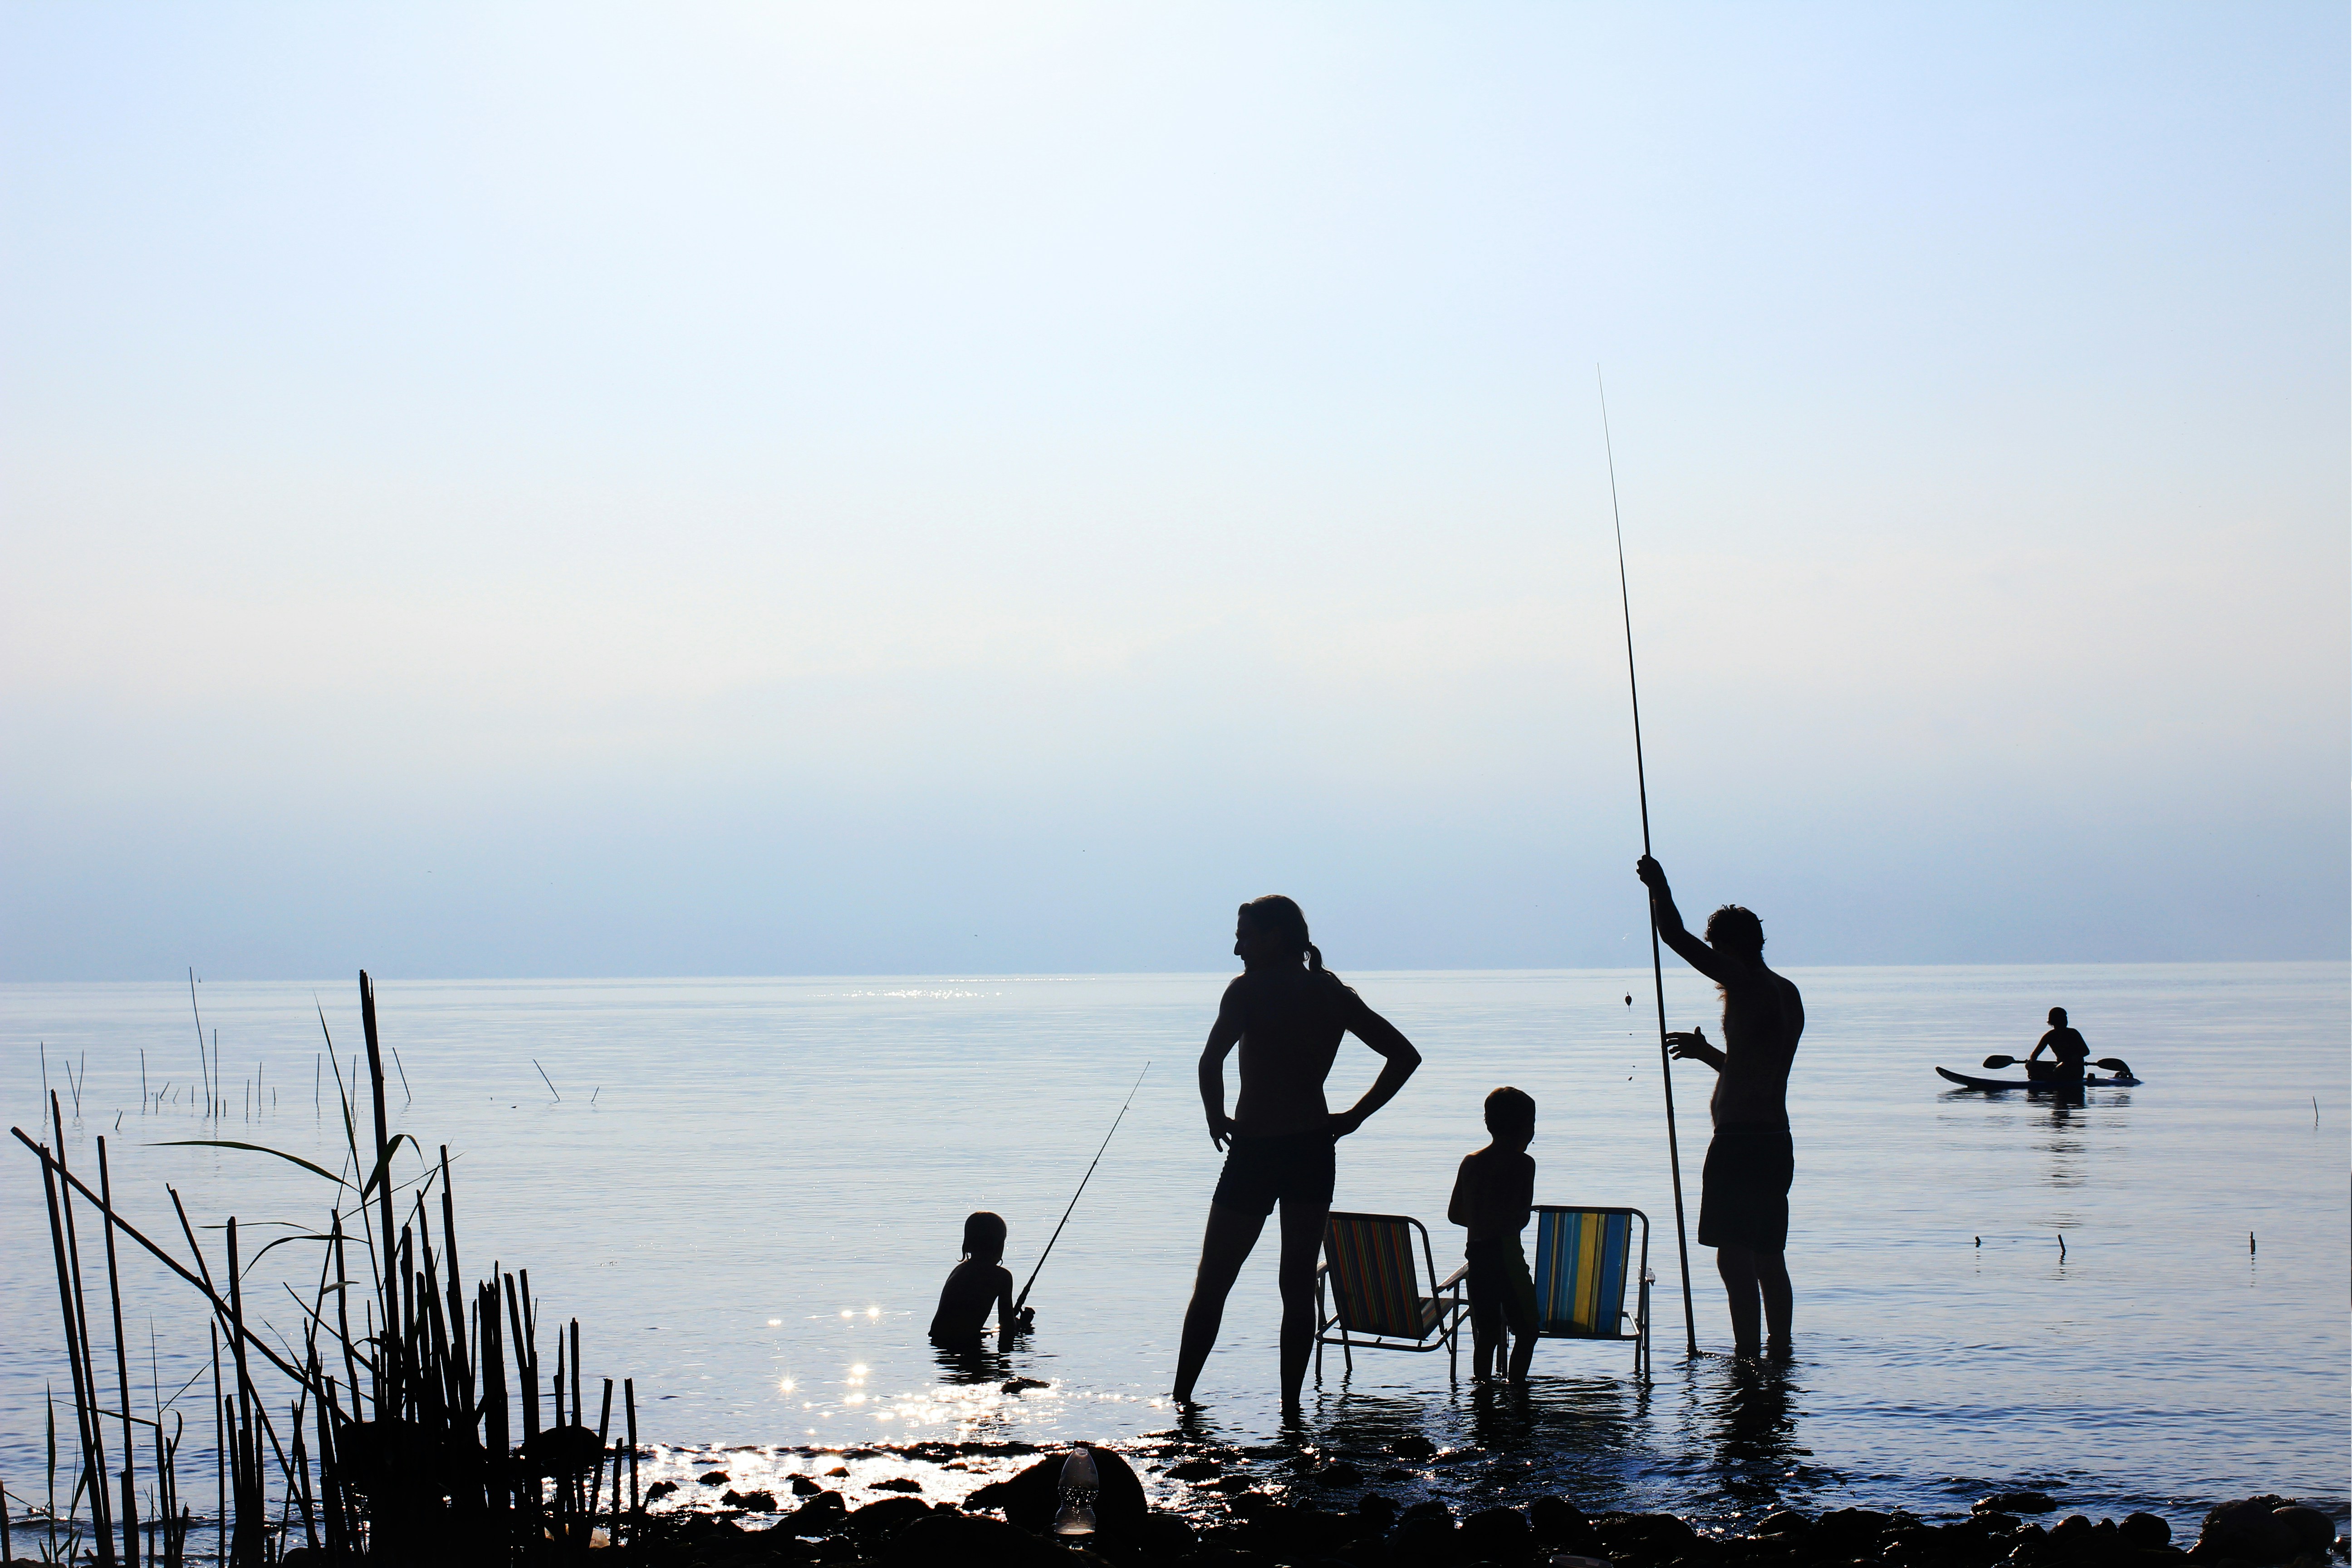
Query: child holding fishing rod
[979,1283]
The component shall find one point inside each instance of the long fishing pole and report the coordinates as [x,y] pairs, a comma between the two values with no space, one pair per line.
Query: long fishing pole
[1023,1300]
[1657,964]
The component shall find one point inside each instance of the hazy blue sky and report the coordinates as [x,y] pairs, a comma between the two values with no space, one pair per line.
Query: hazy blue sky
[565,489]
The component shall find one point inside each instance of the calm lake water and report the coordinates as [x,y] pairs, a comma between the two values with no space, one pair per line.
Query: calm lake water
[750,1190]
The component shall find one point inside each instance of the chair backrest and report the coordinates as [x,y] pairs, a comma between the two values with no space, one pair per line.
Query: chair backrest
[1583,1258]
[1374,1286]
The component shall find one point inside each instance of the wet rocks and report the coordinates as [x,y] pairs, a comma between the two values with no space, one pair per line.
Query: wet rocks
[898,1484]
[804,1487]
[2016,1502]
[761,1501]
[2252,1531]
[1338,1473]
[1414,1446]
[1194,1470]
[821,1515]
[715,1478]
[1556,1521]
[1497,1535]
[659,1490]
[2144,1531]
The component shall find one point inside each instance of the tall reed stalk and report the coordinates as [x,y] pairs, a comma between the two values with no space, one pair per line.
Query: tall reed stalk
[410,1454]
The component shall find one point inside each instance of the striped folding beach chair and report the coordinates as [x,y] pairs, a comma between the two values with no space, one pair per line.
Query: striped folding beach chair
[1370,1291]
[1584,1260]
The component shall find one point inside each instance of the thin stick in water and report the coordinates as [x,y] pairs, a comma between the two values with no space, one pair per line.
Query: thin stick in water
[547,1080]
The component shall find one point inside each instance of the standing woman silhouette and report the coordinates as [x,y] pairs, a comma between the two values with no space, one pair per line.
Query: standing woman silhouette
[1287,1011]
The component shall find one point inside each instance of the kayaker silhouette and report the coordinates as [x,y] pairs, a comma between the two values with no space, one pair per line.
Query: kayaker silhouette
[2065,1045]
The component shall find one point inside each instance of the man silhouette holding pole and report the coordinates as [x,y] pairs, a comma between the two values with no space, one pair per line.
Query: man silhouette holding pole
[1743,1208]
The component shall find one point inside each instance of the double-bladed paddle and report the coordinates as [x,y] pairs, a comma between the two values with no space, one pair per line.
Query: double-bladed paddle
[2113,1064]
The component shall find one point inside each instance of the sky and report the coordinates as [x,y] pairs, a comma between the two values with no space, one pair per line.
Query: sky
[588,490]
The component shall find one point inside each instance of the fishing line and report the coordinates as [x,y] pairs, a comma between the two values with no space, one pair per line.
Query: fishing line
[1657,965]
[1023,1300]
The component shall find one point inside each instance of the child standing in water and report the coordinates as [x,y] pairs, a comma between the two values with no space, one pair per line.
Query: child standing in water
[979,1283]
[1492,1196]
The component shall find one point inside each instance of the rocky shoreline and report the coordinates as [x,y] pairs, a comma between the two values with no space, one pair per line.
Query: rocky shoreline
[1013,1522]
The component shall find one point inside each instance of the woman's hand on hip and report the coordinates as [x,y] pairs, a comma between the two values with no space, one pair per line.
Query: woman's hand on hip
[1220,1129]
[1340,1124]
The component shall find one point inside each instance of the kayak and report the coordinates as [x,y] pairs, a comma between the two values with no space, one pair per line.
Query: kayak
[2037,1086]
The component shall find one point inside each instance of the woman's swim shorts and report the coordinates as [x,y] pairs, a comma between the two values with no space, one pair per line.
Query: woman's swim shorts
[1295,1167]
[1743,1194]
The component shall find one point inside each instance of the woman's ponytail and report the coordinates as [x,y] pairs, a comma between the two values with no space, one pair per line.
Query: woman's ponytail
[1314,958]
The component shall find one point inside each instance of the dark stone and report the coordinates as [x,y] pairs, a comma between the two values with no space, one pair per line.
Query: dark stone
[838,1470]
[1848,1531]
[2315,1532]
[1018,1385]
[804,1487]
[1381,1510]
[1234,1483]
[715,1478]
[1785,1521]
[1429,1507]
[1249,1505]
[761,1502]
[1423,1537]
[1396,1473]
[1030,1499]
[2071,1530]
[1556,1521]
[898,1484]
[659,1490]
[2015,1502]
[879,1520]
[1497,1535]
[2143,1531]
[1165,1535]
[966,1538]
[1414,1446]
[1338,1473]
[821,1515]
[2248,1529]
[1194,1470]
[1653,1537]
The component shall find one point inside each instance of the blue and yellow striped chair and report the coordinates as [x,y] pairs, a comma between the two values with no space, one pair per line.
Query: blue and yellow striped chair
[1369,1291]
[1584,1260]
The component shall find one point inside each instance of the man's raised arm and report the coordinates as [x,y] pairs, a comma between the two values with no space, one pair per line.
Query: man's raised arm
[1695,952]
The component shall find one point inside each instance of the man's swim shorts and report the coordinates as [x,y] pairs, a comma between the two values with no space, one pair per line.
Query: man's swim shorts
[1295,1167]
[1743,1194]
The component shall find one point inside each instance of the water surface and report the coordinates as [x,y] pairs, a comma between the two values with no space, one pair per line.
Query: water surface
[750,1190]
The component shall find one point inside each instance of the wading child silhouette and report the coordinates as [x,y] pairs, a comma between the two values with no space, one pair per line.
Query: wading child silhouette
[1492,1193]
[978,1283]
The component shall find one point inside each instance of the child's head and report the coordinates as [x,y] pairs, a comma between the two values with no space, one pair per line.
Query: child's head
[983,1237]
[1511,1114]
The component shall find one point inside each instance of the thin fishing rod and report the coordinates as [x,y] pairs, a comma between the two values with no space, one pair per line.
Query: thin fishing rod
[1657,964]
[1023,1300]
